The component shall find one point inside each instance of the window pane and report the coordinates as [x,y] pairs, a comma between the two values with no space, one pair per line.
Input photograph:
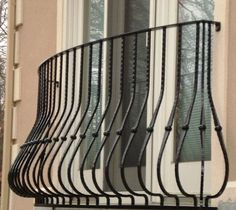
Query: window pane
[188,11]
[96,31]
[136,17]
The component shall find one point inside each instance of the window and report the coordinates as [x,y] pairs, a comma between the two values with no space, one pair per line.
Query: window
[95,31]
[188,11]
[136,16]
[107,18]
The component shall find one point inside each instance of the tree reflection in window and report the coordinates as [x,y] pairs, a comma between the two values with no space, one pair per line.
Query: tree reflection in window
[96,29]
[190,10]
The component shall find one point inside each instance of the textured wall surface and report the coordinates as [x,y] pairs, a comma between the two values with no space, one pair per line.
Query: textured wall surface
[37,41]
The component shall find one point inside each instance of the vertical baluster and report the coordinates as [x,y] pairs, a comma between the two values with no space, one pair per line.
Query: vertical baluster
[54,94]
[150,128]
[168,127]
[121,129]
[39,105]
[66,93]
[89,93]
[65,134]
[47,139]
[35,158]
[53,151]
[108,102]
[109,128]
[59,125]
[53,121]
[218,127]
[81,85]
[136,125]
[12,177]
[39,162]
[90,118]
[72,93]
[57,117]
[66,152]
[202,127]
[43,98]
[27,164]
[49,98]
[63,138]
[185,127]
[77,129]
[46,102]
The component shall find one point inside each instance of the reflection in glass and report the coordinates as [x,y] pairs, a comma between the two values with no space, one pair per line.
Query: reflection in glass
[96,22]
[190,10]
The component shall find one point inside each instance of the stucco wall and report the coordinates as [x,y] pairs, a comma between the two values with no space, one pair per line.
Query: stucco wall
[37,41]
[231,92]
[225,88]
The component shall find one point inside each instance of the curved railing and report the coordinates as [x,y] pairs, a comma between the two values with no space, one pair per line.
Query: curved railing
[100,107]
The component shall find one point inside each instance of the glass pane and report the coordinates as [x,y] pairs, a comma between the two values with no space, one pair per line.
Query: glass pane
[136,16]
[96,18]
[188,11]
[96,31]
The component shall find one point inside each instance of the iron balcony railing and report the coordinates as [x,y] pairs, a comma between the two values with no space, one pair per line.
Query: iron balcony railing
[99,108]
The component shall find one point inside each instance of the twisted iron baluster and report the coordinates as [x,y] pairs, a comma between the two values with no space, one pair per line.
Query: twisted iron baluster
[22,153]
[135,127]
[25,162]
[76,111]
[59,127]
[36,144]
[38,163]
[109,128]
[58,116]
[202,127]
[121,129]
[46,140]
[46,104]
[98,128]
[59,171]
[78,107]
[153,120]
[91,118]
[185,128]
[168,128]
[83,134]
[80,91]
[50,100]
[218,127]
[54,192]
[74,137]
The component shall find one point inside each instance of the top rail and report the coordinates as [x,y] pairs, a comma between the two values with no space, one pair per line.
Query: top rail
[216,23]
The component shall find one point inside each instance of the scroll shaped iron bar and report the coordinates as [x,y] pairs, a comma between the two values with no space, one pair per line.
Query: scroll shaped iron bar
[188,118]
[92,127]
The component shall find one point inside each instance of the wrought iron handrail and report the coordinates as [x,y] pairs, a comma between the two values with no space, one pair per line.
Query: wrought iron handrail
[87,96]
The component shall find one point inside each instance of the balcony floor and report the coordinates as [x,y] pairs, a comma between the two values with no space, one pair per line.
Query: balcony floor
[63,207]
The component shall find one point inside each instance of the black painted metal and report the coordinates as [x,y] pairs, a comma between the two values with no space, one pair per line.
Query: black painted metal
[88,83]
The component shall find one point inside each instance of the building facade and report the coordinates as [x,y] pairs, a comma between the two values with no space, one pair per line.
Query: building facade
[118,96]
